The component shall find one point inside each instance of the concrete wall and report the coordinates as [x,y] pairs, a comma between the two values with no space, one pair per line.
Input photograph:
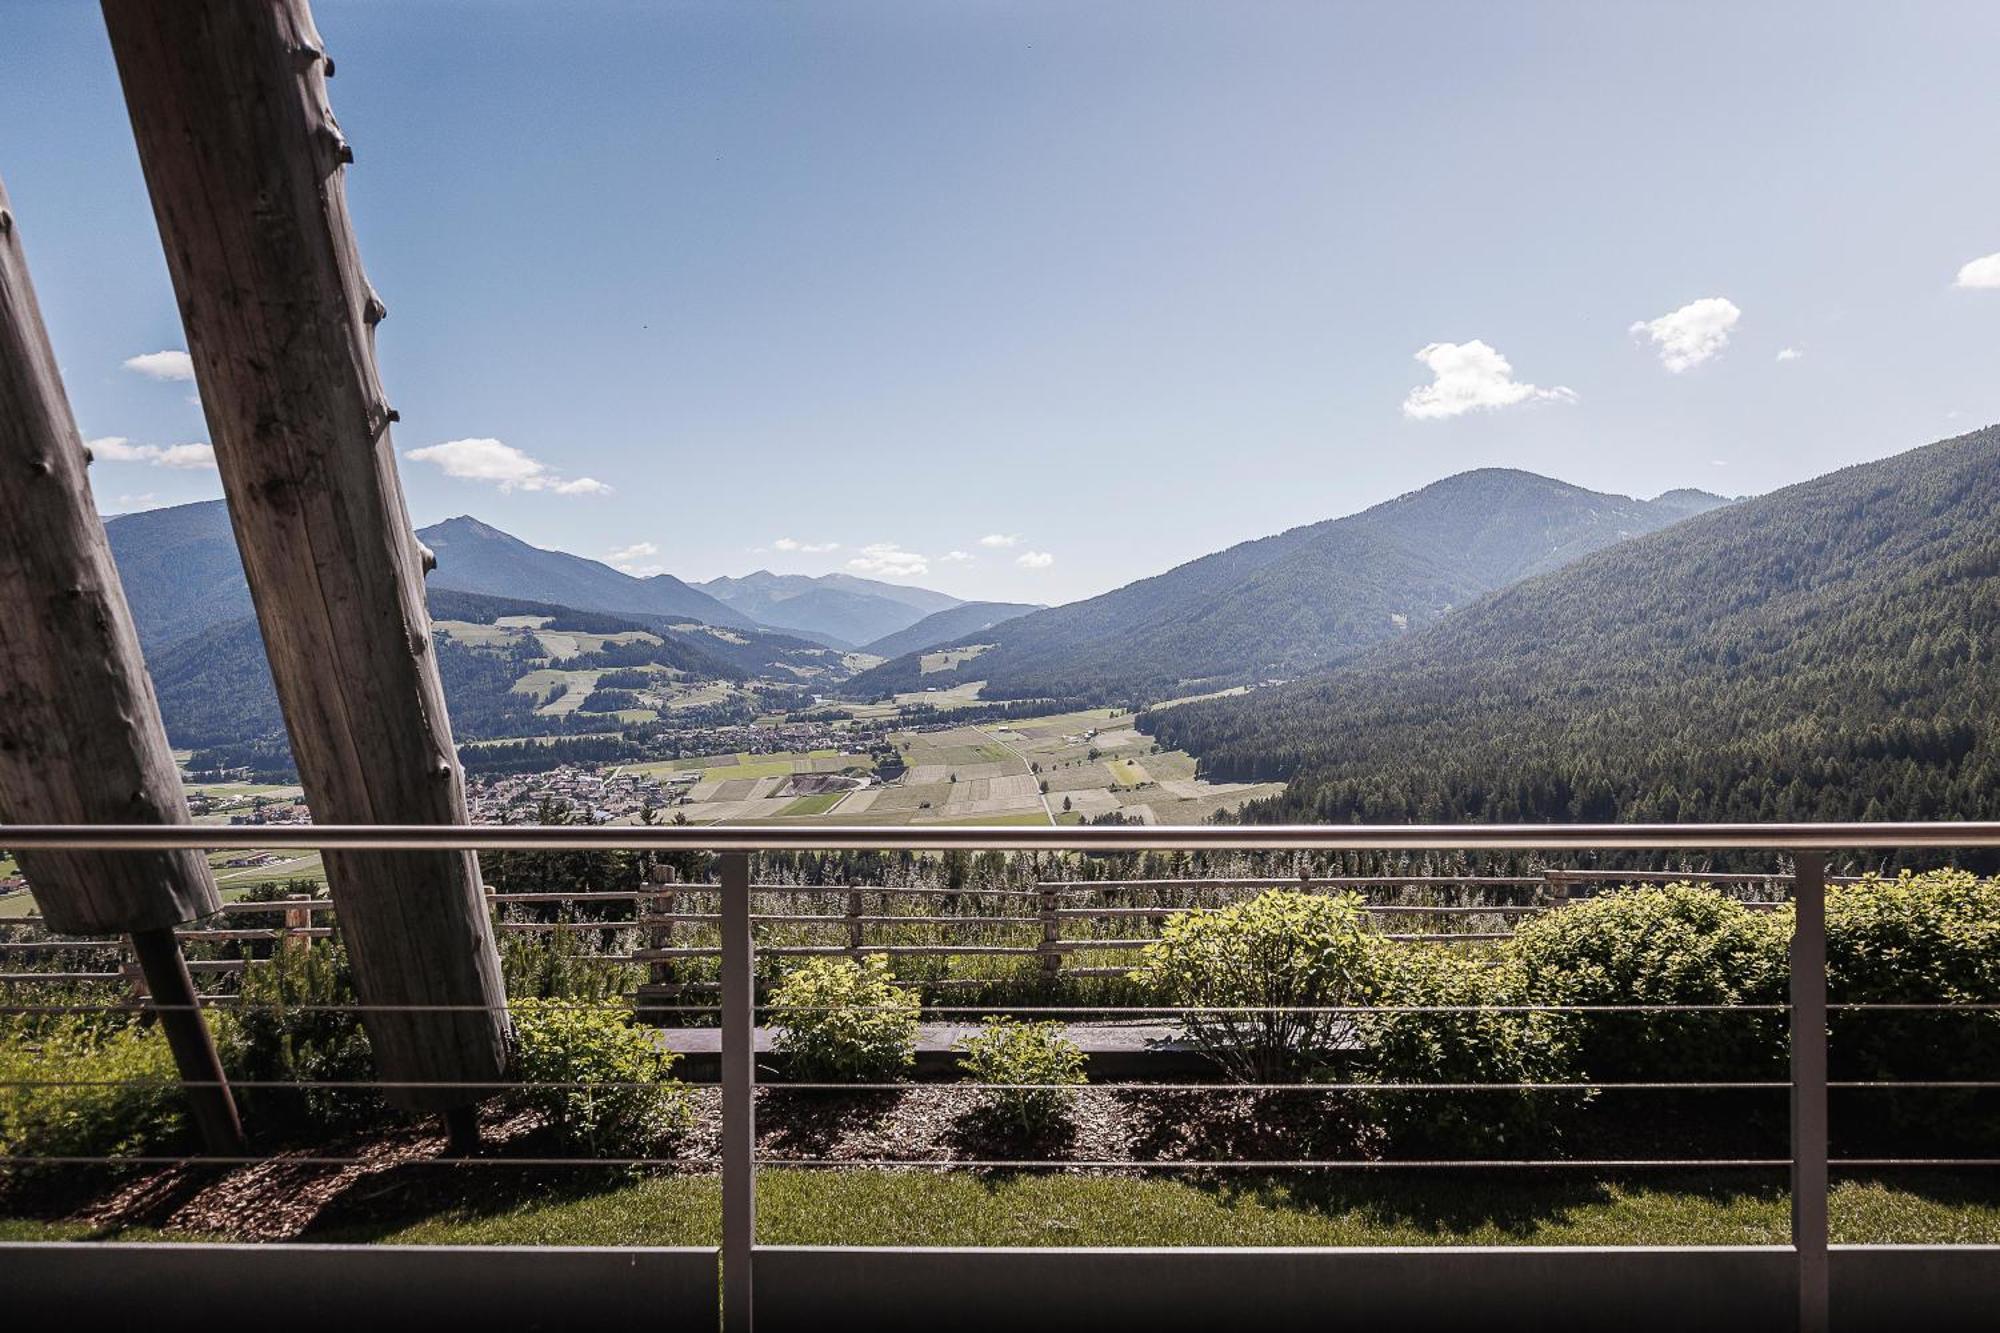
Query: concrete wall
[1485,1290]
[300,1288]
[353,1288]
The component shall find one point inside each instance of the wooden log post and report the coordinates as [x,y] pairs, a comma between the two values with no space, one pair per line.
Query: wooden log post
[80,735]
[1050,947]
[243,161]
[856,933]
[662,984]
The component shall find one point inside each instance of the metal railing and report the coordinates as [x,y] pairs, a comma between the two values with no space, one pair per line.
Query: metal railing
[1808,1161]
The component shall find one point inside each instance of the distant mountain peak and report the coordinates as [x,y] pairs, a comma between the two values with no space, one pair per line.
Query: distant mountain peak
[1299,599]
[468,526]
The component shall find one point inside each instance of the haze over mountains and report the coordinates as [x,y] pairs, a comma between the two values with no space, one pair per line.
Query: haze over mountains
[477,557]
[1497,646]
[1280,605]
[183,576]
[840,610]
[1828,651]
[1299,600]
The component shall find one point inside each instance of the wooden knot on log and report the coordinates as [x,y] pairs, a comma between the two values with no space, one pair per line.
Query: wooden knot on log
[309,55]
[337,145]
[373,310]
[6,222]
[427,558]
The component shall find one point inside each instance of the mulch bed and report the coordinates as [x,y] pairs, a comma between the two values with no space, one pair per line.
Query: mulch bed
[397,1172]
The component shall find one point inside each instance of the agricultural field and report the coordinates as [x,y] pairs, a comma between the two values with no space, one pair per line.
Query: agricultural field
[949,658]
[251,868]
[991,773]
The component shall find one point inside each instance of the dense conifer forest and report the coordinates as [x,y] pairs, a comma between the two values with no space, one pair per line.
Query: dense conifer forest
[1824,652]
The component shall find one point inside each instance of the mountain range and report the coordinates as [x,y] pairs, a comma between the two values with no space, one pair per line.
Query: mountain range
[477,557]
[1828,651]
[840,610]
[1297,601]
[183,577]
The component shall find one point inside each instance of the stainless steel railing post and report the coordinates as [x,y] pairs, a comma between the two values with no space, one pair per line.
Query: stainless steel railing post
[1809,1120]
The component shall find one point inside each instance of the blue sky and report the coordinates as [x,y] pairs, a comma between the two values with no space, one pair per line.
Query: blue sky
[819,287]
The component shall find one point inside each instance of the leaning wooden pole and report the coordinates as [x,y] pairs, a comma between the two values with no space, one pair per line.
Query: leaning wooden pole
[245,163]
[80,734]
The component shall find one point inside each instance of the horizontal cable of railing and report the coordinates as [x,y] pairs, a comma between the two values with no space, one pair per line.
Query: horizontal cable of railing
[946,837]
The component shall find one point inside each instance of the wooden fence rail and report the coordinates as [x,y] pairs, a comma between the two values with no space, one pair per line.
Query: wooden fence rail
[664,916]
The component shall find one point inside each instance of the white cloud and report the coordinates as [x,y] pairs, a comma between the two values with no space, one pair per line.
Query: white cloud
[1693,334]
[1983,272]
[1789,354]
[504,466]
[1000,540]
[805,548]
[162,365]
[1034,560]
[887,558]
[185,457]
[1468,376]
[957,557]
[636,559]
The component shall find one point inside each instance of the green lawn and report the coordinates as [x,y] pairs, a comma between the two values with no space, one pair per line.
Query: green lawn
[908,1208]
[816,804]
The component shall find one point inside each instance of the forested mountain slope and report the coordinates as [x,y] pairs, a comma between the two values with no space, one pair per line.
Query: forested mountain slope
[1304,598]
[180,569]
[477,557]
[215,686]
[1829,651]
[947,626]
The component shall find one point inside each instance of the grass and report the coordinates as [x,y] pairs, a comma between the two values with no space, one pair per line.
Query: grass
[1126,772]
[1010,818]
[817,804]
[295,865]
[1031,1208]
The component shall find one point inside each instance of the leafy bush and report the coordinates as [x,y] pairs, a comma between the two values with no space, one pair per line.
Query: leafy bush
[296,1024]
[1037,1063]
[838,1019]
[630,1099]
[1676,944]
[125,1099]
[1477,1045]
[1270,956]
[559,965]
[1917,939]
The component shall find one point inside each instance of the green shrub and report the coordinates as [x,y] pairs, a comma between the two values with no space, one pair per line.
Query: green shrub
[838,1019]
[296,1024]
[1917,939]
[634,1101]
[1676,944]
[559,965]
[126,1097]
[1037,1064]
[1270,955]
[1477,1045]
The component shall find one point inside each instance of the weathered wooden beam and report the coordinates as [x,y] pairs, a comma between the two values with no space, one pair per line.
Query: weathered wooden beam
[80,734]
[244,160]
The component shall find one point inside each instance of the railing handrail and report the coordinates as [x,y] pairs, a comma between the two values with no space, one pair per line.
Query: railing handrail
[1003,838]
